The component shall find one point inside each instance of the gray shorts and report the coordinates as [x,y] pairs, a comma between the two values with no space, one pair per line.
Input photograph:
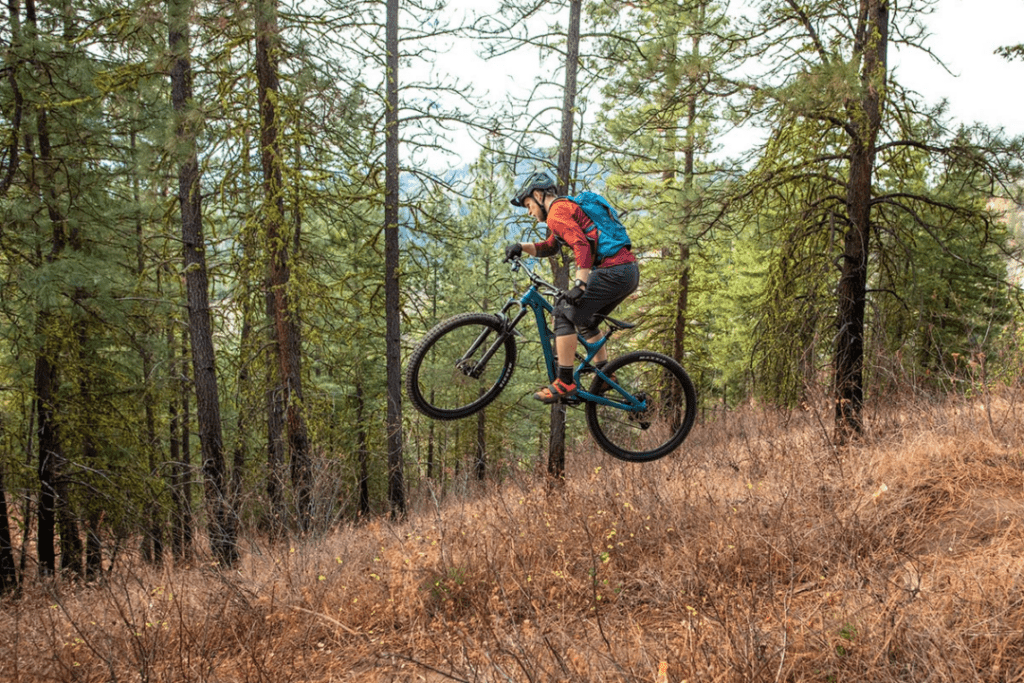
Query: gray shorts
[606,289]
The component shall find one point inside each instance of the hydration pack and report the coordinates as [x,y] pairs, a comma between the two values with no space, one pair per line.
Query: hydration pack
[607,235]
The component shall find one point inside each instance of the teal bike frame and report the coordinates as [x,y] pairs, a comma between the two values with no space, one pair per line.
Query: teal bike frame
[534,299]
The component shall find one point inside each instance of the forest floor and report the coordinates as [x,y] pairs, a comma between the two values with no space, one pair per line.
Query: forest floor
[758,552]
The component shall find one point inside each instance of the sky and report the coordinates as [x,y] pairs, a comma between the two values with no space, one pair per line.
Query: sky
[979,85]
[983,86]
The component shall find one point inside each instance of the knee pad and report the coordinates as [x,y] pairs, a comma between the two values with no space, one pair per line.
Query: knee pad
[563,321]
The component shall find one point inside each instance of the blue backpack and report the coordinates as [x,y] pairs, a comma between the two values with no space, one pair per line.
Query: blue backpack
[607,235]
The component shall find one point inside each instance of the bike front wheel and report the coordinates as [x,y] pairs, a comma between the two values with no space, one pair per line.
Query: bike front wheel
[671,407]
[460,366]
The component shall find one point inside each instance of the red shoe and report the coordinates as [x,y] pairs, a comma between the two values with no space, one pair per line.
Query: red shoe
[556,391]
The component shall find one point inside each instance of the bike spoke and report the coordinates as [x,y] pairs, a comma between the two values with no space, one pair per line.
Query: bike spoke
[460,366]
[664,388]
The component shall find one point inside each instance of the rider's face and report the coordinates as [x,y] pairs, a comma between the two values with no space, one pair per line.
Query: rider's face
[535,207]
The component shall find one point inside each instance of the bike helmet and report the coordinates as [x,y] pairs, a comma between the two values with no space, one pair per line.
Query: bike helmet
[538,180]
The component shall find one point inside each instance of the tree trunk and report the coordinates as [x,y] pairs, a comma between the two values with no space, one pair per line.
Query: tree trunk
[174,455]
[865,117]
[560,269]
[93,546]
[240,451]
[187,468]
[285,309]
[220,527]
[683,293]
[8,570]
[480,454]
[275,455]
[275,426]
[155,542]
[363,453]
[180,457]
[392,302]
[52,511]
[431,437]
[91,455]
[49,456]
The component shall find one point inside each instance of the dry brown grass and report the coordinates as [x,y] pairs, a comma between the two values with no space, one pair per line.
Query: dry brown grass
[757,553]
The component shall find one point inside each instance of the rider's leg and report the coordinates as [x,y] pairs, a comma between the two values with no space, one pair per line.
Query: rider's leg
[606,289]
[563,386]
[565,349]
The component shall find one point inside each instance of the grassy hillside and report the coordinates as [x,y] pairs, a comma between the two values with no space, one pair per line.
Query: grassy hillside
[757,553]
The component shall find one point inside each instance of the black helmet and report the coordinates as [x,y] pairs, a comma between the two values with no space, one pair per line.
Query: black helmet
[538,180]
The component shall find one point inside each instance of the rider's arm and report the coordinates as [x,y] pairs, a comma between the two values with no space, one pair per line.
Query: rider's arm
[548,247]
[567,221]
[583,275]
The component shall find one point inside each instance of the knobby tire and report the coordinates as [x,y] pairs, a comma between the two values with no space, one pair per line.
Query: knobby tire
[441,390]
[662,427]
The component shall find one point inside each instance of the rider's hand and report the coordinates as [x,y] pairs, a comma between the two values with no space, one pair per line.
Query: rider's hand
[574,295]
[514,250]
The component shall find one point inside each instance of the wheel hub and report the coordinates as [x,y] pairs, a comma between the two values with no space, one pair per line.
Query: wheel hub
[468,368]
[642,417]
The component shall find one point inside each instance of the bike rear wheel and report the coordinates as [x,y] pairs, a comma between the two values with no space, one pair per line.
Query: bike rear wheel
[659,429]
[448,377]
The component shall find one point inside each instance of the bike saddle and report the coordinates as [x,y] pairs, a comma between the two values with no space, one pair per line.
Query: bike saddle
[618,324]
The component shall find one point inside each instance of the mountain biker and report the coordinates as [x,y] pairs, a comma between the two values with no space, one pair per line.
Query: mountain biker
[597,290]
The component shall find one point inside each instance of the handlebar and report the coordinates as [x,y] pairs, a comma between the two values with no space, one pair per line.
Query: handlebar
[545,287]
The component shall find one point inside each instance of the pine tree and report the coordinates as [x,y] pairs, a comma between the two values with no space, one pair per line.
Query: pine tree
[396,481]
[221,521]
[666,97]
[836,120]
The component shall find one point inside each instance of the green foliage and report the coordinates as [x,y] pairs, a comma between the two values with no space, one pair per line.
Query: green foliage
[665,96]
[935,257]
[738,268]
[943,269]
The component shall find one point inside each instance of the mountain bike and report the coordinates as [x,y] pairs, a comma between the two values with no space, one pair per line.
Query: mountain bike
[639,407]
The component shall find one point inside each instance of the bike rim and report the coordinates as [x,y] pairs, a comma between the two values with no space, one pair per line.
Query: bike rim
[653,432]
[452,381]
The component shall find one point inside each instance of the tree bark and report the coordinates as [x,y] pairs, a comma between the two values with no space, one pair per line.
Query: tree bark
[155,541]
[240,450]
[285,309]
[560,269]
[8,570]
[91,458]
[392,302]
[689,160]
[49,457]
[480,453]
[220,526]
[179,453]
[363,452]
[864,121]
[275,453]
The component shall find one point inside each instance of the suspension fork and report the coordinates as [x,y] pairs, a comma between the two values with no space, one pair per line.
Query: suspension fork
[476,368]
